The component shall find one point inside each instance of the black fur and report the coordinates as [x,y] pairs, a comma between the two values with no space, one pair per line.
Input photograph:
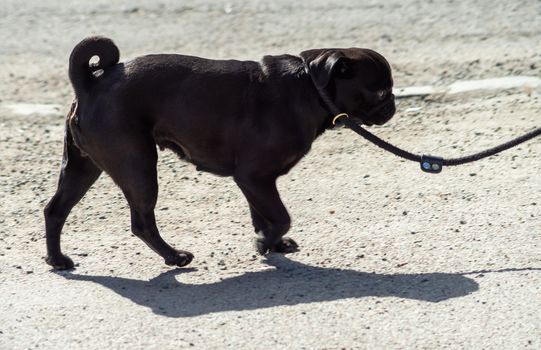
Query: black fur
[250,120]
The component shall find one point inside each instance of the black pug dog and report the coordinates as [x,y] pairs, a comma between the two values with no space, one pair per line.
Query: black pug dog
[250,120]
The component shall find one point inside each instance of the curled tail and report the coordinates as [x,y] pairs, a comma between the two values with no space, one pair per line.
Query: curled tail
[80,71]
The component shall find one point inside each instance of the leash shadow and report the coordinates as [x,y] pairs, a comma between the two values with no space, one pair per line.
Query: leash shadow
[289,283]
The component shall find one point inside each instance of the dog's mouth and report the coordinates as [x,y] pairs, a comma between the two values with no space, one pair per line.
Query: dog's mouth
[380,114]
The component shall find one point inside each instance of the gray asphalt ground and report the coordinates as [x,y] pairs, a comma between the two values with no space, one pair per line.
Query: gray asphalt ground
[390,258]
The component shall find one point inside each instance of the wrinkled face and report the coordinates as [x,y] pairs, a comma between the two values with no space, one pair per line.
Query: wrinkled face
[358,80]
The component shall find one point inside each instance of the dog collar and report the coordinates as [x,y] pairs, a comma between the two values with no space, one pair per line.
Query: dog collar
[338,116]
[323,94]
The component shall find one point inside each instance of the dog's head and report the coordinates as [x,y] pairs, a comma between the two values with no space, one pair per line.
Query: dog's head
[358,80]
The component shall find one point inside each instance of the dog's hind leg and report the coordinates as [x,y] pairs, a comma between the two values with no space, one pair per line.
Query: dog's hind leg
[135,173]
[78,173]
[267,207]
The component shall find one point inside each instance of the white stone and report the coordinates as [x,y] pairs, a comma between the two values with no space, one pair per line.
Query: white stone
[32,108]
[409,91]
[504,83]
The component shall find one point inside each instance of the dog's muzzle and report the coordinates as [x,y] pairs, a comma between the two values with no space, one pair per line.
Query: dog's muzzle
[381,113]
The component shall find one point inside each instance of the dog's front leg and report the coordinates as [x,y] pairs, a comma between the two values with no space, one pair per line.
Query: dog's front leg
[269,214]
[259,222]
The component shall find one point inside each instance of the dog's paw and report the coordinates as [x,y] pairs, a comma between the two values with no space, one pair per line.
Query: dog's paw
[182,258]
[262,246]
[60,262]
[286,245]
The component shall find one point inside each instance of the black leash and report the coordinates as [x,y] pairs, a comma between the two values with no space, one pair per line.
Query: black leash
[434,164]
[429,164]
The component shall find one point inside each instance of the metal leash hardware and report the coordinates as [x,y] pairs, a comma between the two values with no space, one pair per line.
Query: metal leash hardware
[431,164]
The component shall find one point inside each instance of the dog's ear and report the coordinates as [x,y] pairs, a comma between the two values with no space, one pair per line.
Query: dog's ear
[323,64]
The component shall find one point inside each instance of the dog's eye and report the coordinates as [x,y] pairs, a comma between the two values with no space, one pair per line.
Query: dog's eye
[381,94]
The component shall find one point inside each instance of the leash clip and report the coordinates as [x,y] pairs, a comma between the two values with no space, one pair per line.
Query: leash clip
[338,116]
[431,164]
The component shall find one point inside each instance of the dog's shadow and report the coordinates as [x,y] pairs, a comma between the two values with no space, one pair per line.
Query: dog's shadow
[289,283]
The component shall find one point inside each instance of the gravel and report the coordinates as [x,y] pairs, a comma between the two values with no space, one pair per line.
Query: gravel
[390,258]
